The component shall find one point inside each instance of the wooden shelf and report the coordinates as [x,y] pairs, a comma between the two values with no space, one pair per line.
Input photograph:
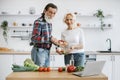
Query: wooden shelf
[19,14]
[20,27]
[106,16]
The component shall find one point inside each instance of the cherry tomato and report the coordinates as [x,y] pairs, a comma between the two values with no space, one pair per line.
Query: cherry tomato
[60,69]
[48,69]
[45,69]
[40,69]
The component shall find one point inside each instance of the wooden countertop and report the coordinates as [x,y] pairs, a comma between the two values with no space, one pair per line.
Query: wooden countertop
[52,53]
[53,75]
[15,52]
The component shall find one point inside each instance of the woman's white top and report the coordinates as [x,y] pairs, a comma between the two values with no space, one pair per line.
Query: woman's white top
[73,37]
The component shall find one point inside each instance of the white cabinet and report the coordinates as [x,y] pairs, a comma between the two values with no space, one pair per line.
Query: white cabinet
[57,61]
[19,59]
[111,67]
[107,70]
[6,62]
[5,65]
[117,67]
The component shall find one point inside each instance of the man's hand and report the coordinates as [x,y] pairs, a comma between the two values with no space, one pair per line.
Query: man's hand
[54,40]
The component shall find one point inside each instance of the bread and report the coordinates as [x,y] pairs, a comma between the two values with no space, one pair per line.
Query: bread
[4,49]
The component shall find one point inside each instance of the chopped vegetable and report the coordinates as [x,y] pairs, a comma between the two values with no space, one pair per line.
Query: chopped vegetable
[79,68]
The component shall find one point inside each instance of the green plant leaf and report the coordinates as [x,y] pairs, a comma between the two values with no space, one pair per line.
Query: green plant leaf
[4,26]
[99,14]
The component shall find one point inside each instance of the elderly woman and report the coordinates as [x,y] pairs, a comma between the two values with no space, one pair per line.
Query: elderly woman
[74,37]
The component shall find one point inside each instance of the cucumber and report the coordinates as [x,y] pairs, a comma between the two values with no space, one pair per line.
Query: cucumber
[18,69]
[22,69]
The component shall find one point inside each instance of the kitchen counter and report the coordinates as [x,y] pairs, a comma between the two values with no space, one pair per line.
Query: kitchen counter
[15,52]
[53,75]
[53,52]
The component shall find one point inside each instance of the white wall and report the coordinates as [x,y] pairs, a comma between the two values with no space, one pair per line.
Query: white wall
[95,38]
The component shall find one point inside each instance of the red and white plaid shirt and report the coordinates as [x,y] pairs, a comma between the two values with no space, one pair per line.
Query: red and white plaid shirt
[41,35]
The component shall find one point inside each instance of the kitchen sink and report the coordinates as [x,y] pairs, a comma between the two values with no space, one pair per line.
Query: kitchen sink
[108,51]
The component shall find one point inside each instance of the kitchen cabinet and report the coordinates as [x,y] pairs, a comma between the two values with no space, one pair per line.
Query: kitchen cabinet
[57,61]
[19,59]
[6,62]
[5,65]
[111,67]
[107,70]
[117,67]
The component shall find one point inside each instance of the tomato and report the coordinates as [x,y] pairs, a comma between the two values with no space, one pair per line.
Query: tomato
[40,69]
[71,68]
[48,69]
[60,41]
[45,69]
[60,69]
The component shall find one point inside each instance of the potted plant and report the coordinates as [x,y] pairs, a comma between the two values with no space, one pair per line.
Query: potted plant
[99,14]
[4,26]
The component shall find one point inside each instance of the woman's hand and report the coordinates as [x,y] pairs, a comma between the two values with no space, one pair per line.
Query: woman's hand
[72,47]
[79,46]
[60,51]
[62,43]
[68,51]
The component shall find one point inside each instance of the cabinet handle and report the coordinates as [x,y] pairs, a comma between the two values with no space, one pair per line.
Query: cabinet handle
[112,58]
[53,58]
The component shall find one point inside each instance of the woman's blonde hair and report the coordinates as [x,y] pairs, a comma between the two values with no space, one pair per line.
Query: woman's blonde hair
[73,15]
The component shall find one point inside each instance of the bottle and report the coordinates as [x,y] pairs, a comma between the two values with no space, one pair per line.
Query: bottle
[72,60]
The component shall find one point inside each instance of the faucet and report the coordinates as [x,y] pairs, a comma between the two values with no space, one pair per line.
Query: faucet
[109,49]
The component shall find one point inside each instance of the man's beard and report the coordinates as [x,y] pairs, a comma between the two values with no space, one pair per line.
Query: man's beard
[48,19]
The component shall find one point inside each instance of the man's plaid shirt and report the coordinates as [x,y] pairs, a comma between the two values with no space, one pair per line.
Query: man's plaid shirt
[41,35]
